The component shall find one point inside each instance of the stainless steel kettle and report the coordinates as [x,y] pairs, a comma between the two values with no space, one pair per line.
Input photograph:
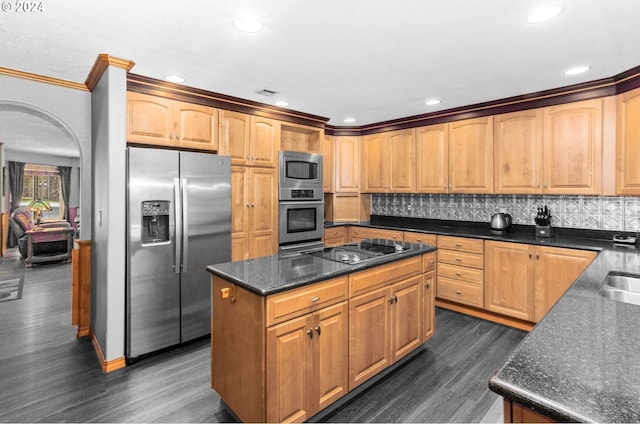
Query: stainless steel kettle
[501,221]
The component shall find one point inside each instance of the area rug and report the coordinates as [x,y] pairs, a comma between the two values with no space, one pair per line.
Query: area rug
[11,288]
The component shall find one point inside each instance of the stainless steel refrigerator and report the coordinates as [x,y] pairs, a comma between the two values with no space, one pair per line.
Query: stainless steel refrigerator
[179,221]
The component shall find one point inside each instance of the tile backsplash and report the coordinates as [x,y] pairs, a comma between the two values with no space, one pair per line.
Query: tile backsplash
[587,212]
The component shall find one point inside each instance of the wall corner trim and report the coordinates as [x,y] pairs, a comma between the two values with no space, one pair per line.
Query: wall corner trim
[107,366]
[102,62]
[44,79]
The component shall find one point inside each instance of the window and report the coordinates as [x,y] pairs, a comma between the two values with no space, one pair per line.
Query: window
[43,182]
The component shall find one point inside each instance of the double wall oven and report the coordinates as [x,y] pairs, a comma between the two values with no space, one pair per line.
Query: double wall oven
[301,210]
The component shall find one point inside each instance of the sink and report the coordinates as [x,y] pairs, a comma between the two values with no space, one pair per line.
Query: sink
[622,287]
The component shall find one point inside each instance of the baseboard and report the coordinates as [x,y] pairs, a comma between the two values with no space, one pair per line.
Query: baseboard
[83,332]
[107,366]
[489,316]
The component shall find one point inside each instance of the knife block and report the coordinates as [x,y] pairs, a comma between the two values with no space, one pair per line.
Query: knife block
[544,231]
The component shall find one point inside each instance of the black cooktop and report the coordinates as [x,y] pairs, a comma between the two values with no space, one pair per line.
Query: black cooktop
[354,253]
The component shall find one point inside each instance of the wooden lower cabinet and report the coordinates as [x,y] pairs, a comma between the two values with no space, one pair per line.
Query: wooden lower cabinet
[556,269]
[306,364]
[428,305]
[525,281]
[516,413]
[413,237]
[508,279]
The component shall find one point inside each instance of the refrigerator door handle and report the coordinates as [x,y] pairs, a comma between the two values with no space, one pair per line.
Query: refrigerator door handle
[185,224]
[178,218]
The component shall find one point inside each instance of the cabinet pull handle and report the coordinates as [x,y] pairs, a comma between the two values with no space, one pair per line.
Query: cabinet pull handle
[458,245]
[459,259]
[459,274]
[310,333]
[432,262]
[537,256]
[426,285]
[458,292]
[538,185]
[170,136]
[530,255]
[318,330]
[315,298]
[393,299]
[545,185]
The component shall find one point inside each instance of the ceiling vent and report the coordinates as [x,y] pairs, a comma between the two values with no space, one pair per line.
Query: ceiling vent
[267,92]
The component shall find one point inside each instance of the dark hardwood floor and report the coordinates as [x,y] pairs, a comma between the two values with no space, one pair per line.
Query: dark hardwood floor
[47,375]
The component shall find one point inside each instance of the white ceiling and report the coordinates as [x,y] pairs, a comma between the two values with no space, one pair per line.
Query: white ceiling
[373,60]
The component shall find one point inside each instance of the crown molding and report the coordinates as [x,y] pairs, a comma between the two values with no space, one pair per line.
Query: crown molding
[103,61]
[44,79]
[155,87]
[621,83]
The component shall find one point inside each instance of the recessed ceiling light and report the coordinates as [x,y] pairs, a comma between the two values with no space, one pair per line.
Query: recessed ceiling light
[248,24]
[432,102]
[349,120]
[174,78]
[544,14]
[282,103]
[576,70]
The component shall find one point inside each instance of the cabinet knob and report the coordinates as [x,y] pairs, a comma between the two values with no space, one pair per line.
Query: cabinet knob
[318,330]
[530,255]
[458,292]
[459,259]
[538,185]
[426,285]
[432,262]
[253,205]
[310,333]
[458,245]
[315,298]
[537,256]
[545,185]
[459,274]
[170,136]
[253,157]
[393,299]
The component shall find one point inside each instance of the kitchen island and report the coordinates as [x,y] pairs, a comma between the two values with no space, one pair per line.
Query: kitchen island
[291,335]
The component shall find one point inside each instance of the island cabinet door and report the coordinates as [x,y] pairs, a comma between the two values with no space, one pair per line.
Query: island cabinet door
[289,360]
[428,305]
[406,316]
[332,354]
[369,347]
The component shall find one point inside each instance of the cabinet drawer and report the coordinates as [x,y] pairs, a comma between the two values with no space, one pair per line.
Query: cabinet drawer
[362,233]
[461,244]
[284,306]
[333,233]
[472,260]
[471,275]
[429,262]
[412,237]
[364,281]
[459,291]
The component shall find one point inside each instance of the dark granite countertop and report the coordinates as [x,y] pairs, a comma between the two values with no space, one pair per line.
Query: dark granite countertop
[281,272]
[580,363]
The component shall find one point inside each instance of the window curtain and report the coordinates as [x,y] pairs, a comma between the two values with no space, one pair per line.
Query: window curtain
[16,181]
[65,184]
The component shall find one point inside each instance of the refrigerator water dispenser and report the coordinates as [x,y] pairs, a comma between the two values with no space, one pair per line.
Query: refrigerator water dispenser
[155,221]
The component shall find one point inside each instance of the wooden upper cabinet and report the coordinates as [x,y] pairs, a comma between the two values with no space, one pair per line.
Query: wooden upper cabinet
[301,138]
[249,140]
[432,146]
[328,185]
[149,119]
[573,148]
[197,126]
[471,156]
[388,162]
[375,177]
[347,164]
[517,150]
[164,122]
[264,142]
[628,143]
[234,136]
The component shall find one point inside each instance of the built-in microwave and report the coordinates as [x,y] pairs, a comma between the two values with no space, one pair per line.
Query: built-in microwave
[300,172]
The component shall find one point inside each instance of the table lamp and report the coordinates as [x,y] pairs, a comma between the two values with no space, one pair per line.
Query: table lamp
[37,206]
